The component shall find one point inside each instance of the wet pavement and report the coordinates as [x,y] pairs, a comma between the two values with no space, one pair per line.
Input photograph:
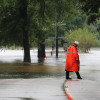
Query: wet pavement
[89,87]
[46,80]
[32,89]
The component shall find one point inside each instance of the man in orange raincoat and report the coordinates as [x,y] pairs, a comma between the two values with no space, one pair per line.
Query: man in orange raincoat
[72,60]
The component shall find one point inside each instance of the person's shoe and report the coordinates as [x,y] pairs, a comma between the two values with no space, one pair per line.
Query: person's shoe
[79,78]
[69,78]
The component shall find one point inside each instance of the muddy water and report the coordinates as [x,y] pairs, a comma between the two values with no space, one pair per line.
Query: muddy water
[30,71]
[11,65]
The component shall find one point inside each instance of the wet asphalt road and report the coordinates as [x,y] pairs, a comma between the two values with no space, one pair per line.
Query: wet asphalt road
[46,81]
[89,87]
[32,89]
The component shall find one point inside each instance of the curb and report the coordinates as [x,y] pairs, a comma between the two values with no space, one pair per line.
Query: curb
[67,91]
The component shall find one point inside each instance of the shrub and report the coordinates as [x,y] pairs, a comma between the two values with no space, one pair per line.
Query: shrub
[85,38]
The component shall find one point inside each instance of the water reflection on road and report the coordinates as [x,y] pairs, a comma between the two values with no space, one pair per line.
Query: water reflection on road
[91,60]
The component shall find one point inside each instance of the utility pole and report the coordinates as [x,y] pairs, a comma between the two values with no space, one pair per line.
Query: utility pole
[56,33]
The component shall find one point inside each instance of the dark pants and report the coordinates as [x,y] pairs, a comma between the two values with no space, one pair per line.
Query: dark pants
[77,73]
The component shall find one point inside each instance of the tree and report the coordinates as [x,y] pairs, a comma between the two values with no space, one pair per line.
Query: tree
[14,24]
[91,8]
[75,22]
[23,14]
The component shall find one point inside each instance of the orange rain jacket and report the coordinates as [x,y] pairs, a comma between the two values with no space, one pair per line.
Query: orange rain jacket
[72,59]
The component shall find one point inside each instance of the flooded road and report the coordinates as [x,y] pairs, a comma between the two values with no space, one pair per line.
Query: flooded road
[11,65]
[41,80]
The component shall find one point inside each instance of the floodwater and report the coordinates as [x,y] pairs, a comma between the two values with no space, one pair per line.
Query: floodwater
[41,80]
[12,66]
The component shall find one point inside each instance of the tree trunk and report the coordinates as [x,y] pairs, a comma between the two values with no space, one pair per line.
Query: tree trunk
[23,13]
[41,51]
[26,49]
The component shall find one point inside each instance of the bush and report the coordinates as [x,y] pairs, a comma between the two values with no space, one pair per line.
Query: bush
[85,38]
